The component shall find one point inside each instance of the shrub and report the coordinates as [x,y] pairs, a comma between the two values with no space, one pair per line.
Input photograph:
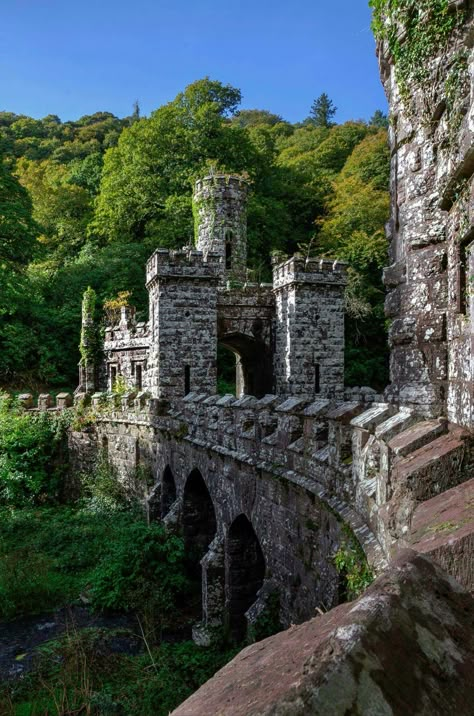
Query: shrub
[143,572]
[351,563]
[30,444]
[27,582]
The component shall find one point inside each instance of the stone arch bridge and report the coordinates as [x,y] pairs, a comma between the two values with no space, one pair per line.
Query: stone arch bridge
[265,491]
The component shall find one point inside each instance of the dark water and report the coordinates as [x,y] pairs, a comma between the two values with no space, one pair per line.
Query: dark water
[20,638]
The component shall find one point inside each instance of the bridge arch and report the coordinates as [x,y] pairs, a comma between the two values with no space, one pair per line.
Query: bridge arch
[198,518]
[245,572]
[168,491]
[254,365]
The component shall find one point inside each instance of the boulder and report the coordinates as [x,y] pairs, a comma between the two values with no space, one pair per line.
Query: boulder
[406,646]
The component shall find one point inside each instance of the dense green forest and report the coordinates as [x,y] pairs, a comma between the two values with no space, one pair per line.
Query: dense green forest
[84,203]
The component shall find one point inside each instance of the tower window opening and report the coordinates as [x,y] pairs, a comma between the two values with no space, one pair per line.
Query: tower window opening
[113,376]
[228,250]
[138,376]
[317,378]
[187,379]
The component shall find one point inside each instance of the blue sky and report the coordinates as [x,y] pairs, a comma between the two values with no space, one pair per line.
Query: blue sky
[75,58]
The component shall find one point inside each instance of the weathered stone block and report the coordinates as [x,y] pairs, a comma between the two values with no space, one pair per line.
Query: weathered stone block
[354,658]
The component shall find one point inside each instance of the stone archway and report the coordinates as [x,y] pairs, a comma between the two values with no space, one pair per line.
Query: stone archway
[199,519]
[199,529]
[245,572]
[254,367]
[168,491]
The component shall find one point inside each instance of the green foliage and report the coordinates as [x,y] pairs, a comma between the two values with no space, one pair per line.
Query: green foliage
[256,117]
[27,582]
[49,553]
[322,111]
[120,387]
[144,572]
[415,31]
[30,444]
[351,563]
[379,120]
[102,490]
[17,228]
[48,556]
[105,192]
[268,621]
[78,674]
[353,231]
[179,670]
[89,339]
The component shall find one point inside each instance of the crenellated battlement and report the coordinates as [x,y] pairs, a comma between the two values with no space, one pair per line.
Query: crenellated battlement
[313,270]
[184,263]
[137,334]
[221,182]
[45,401]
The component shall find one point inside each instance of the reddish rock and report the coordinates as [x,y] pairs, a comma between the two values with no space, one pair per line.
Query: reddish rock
[443,527]
[404,647]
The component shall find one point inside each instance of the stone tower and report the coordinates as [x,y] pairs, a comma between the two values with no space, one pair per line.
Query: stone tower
[220,211]
[309,333]
[182,289]
[431,234]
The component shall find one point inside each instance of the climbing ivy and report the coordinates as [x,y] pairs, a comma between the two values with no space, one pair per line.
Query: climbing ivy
[415,31]
[88,344]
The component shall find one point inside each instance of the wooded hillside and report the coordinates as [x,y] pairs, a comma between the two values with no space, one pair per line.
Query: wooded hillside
[85,203]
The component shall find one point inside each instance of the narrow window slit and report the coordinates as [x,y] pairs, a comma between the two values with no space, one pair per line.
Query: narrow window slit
[317,379]
[187,379]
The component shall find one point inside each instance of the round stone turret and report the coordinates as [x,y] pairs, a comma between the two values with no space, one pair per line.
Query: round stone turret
[220,211]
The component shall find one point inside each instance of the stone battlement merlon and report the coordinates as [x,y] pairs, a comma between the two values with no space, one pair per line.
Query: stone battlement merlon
[189,263]
[313,270]
[222,180]
[138,330]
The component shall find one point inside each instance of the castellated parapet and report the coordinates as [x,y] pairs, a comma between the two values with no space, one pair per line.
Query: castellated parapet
[220,211]
[266,483]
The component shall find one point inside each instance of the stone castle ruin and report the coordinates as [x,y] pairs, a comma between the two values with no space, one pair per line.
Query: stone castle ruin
[267,485]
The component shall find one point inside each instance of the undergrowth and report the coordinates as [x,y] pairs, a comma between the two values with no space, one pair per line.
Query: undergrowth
[76,675]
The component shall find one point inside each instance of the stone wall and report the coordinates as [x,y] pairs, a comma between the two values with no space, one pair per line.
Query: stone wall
[183,322]
[297,469]
[126,347]
[309,347]
[430,231]
[245,325]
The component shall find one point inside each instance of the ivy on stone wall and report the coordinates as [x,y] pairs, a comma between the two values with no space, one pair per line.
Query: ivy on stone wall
[88,344]
[415,32]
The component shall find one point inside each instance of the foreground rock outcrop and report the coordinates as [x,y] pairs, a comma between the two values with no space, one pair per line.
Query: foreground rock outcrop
[406,646]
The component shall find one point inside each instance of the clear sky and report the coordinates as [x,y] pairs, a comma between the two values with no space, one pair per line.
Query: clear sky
[74,58]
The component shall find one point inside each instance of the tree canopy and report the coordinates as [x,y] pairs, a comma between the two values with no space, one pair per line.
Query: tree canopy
[322,111]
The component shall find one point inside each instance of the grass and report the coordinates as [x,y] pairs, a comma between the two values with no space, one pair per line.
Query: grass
[48,554]
[77,675]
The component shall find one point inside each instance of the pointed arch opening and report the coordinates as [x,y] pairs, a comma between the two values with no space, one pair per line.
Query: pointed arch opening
[199,519]
[253,364]
[245,572]
[199,529]
[168,491]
